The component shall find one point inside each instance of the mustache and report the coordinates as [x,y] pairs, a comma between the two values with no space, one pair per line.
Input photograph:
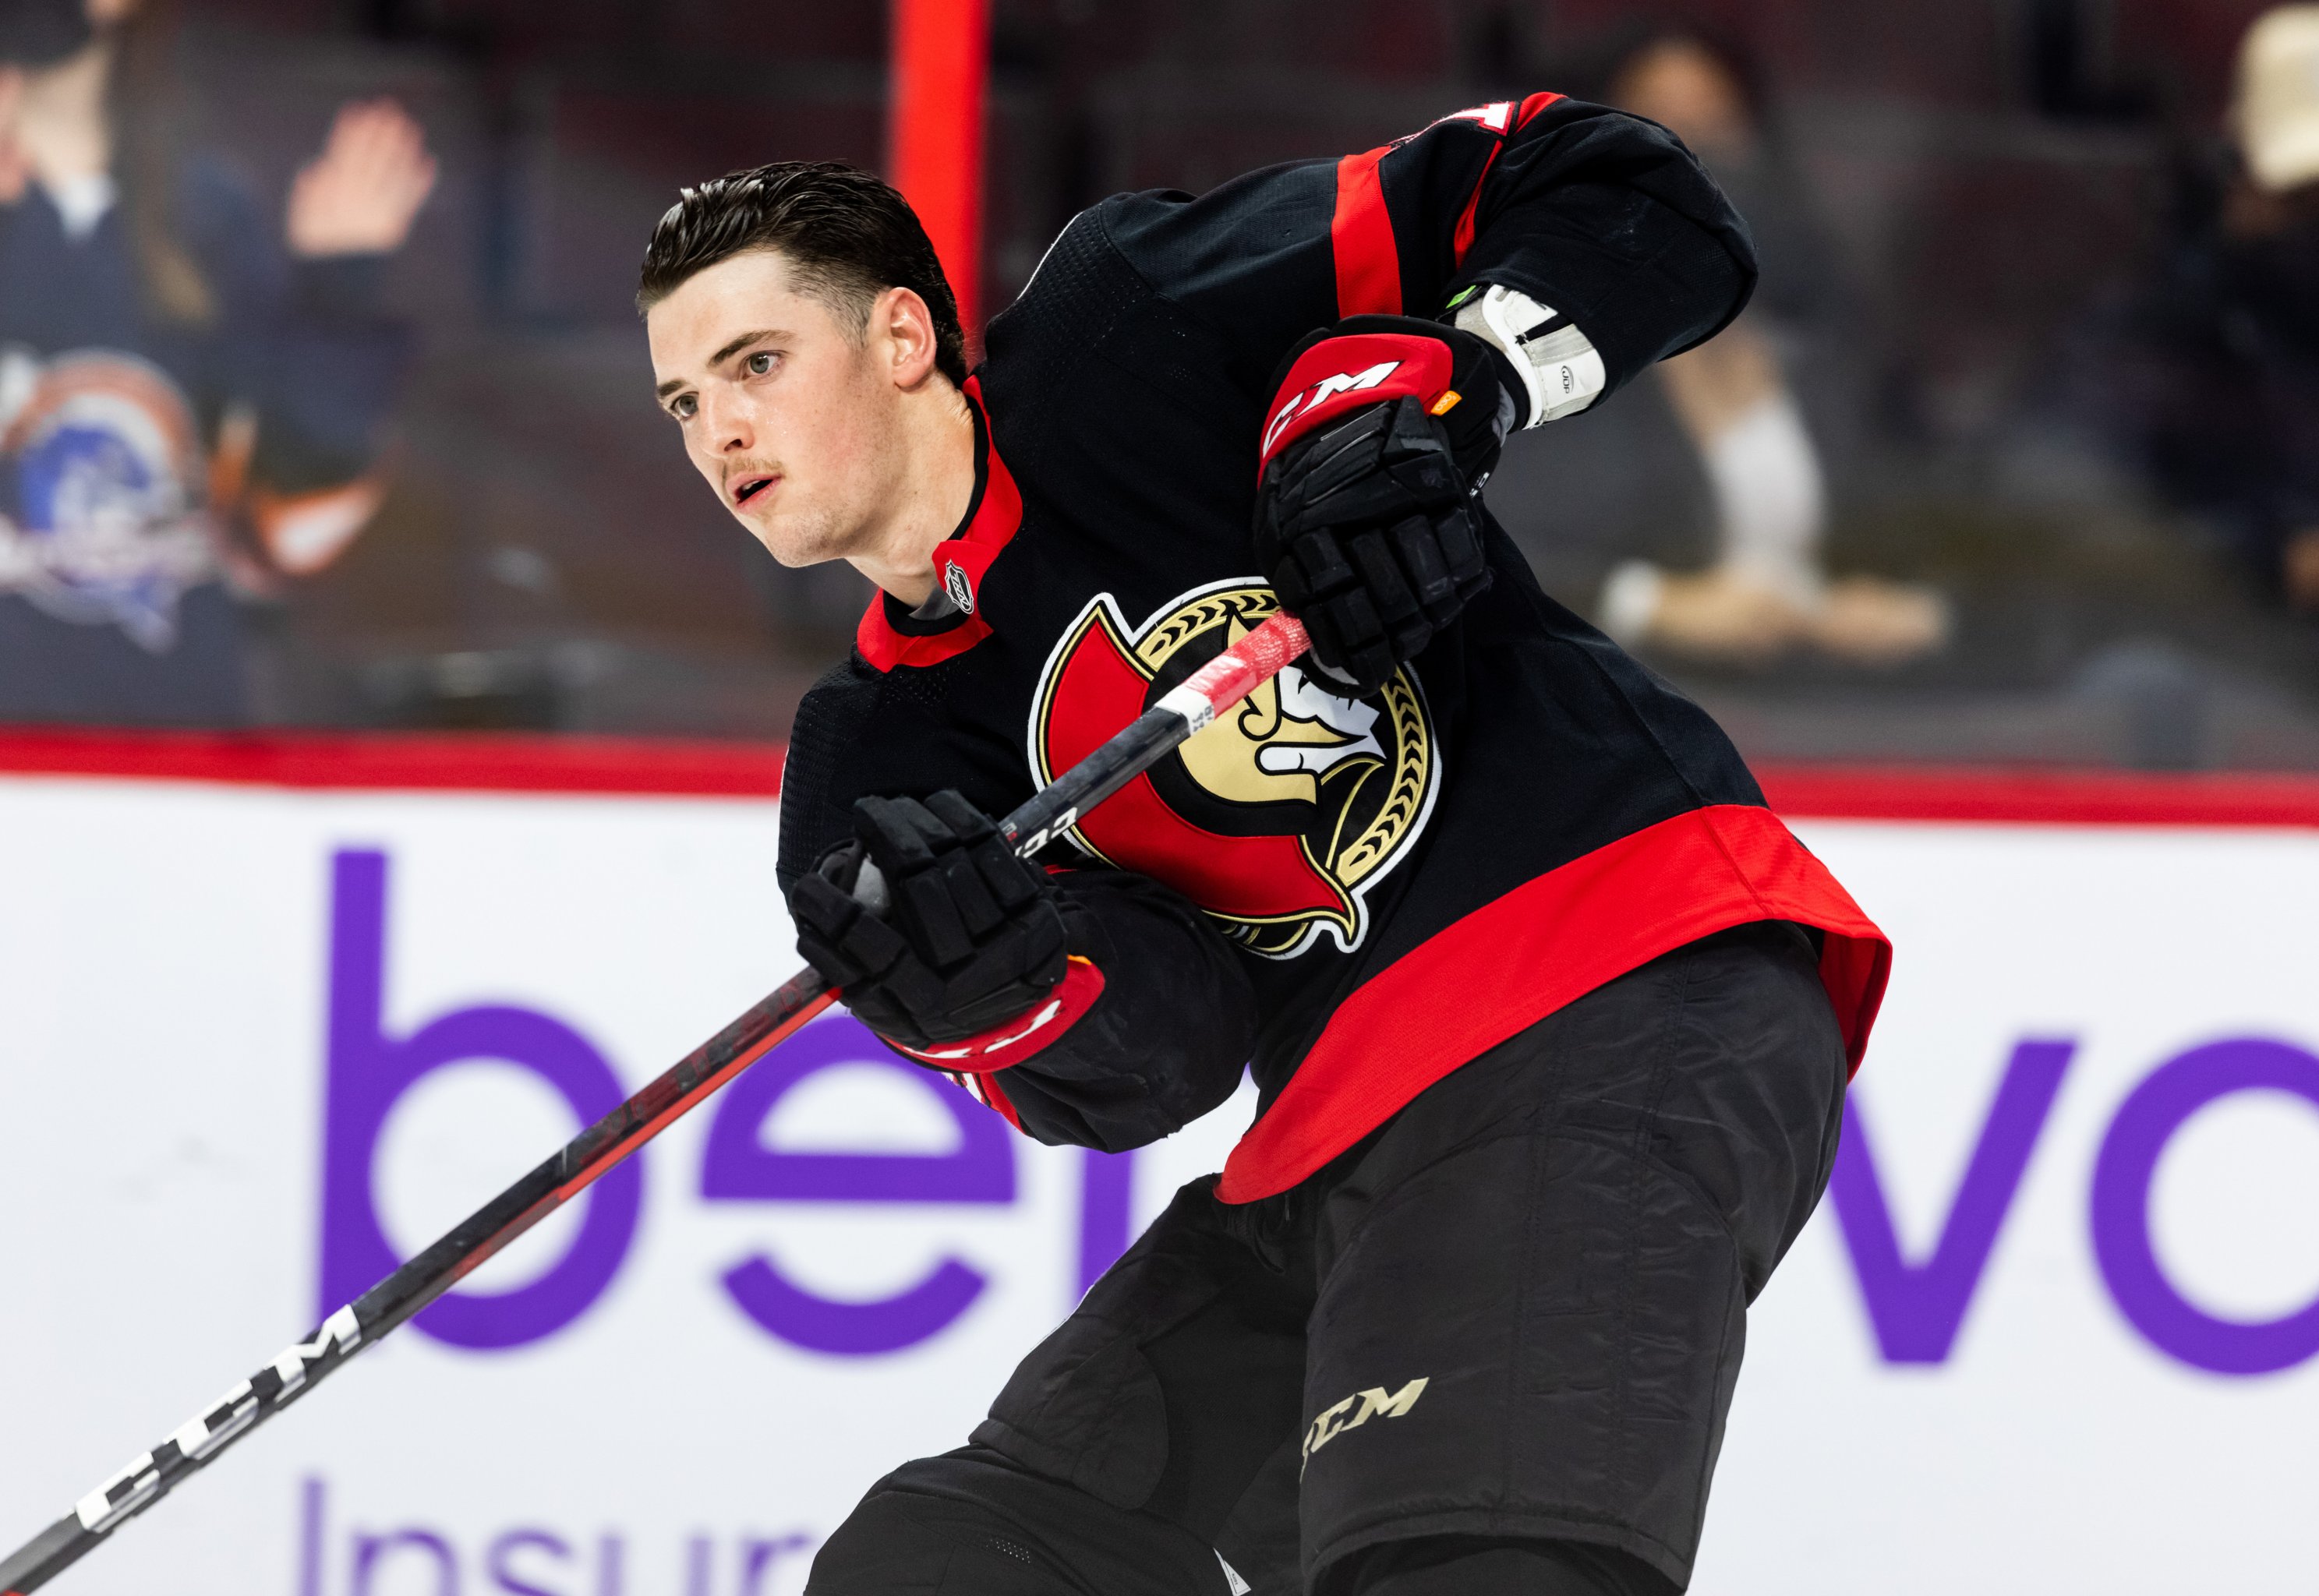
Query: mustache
[734,468]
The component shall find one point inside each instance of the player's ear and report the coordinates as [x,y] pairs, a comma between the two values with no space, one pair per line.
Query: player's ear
[902,324]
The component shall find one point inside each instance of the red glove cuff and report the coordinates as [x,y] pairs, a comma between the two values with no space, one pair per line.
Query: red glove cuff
[985,1089]
[1344,373]
[1005,1045]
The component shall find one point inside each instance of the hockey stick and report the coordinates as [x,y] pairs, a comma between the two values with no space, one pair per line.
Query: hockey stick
[1047,815]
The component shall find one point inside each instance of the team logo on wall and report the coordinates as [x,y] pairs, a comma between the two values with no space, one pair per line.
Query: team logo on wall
[1281,816]
[100,466]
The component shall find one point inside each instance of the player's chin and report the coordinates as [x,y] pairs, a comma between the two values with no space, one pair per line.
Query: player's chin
[793,539]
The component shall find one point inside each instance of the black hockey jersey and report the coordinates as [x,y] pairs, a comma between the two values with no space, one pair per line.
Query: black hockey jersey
[1400,881]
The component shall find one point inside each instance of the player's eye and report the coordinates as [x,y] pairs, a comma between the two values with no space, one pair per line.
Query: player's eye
[684,406]
[762,362]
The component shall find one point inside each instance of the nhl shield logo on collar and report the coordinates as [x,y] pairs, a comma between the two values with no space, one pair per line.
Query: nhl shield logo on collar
[959,585]
[1281,814]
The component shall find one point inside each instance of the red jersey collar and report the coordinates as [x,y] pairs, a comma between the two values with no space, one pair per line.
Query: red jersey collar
[888,636]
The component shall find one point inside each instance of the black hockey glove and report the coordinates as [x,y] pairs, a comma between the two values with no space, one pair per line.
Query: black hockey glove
[1383,430]
[969,935]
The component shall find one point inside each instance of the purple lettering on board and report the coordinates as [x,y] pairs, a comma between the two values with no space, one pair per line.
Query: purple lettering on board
[369,1071]
[1916,1309]
[758,1557]
[506,1545]
[1106,1208]
[737,1166]
[852,1330]
[370,1549]
[311,1503]
[2120,1208]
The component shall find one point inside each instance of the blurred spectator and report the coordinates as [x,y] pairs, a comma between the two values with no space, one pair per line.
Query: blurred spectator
[2211,376]
[1719,435]
[191,395]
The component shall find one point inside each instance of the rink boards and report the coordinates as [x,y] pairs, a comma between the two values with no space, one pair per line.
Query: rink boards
[2055,1327]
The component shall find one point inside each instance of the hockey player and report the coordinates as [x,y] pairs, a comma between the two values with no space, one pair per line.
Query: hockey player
[1550,1016]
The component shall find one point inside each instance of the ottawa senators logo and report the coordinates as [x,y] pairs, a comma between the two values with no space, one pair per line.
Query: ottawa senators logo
[1280,817]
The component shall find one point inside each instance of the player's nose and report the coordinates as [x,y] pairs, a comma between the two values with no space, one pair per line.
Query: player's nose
[726,423]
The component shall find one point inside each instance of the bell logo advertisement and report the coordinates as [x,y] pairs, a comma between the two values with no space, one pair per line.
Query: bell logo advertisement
[2054,1328]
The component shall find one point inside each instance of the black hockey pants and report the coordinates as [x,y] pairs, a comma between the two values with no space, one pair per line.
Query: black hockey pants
[1490,1349]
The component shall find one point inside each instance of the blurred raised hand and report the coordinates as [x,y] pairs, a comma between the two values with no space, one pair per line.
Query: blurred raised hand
[360,195]
[16,170]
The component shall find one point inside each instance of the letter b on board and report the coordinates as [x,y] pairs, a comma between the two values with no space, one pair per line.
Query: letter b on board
[369,1071]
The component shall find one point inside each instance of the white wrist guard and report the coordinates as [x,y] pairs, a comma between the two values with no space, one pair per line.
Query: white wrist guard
[1558,365]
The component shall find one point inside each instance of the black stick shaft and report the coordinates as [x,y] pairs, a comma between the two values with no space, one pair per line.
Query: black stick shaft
[1039,820]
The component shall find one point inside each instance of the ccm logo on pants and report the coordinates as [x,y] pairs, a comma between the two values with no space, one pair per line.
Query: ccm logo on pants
[1376,1403]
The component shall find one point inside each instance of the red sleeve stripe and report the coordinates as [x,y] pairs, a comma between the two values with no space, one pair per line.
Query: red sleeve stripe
[1368,262]
[1532,107]
[1463,239]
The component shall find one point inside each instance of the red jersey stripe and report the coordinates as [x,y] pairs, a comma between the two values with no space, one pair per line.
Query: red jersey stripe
[1513,961]
[1368,262]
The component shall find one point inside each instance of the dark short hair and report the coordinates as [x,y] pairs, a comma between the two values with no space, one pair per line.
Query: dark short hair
[847,235]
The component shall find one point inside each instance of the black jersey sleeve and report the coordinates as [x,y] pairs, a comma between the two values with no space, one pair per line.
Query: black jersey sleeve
[1167,1039]
[1602,216]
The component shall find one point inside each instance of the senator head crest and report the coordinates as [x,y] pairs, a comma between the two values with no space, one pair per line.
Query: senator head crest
[1280,816]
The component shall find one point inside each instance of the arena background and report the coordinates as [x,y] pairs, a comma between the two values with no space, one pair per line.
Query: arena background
[1986,172]
[2055,1327]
